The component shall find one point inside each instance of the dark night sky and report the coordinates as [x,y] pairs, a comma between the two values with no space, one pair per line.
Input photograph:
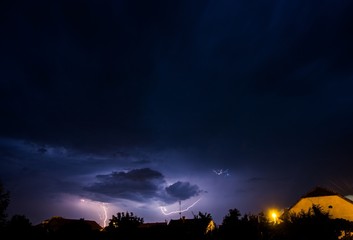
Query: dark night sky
[134,105]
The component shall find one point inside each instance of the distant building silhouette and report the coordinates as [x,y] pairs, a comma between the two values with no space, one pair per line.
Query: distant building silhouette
[153,225]
[197,227]
[56,224]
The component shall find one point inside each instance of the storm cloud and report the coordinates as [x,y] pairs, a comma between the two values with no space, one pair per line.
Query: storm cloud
[183,190]
[142,185]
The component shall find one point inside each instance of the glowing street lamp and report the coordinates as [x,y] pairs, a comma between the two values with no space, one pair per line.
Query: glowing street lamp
[274,215]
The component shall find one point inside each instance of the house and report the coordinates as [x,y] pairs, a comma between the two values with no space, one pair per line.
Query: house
[156,230]
[335,204]
[196,225]
[152,225]
[56,224]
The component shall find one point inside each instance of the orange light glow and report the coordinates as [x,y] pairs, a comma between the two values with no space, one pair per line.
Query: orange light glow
[274,215]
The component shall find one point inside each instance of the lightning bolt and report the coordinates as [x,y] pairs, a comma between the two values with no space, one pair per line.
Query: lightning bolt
[164,209]
[221,172]
[104,217]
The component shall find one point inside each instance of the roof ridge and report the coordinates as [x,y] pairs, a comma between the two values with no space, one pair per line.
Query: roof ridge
[320,191]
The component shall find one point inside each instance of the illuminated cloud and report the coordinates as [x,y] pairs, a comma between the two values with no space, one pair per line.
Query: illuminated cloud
[141,185]
[137,185]
[183,190]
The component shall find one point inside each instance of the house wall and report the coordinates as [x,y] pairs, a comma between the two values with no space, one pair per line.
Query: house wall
[340,208]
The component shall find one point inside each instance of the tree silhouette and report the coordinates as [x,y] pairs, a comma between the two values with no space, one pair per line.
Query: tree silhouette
[19,226]
[232,218]
[124,221]
[311,224]
[246,227]
[203,216]
[4,203]
[230,224]
[205,225]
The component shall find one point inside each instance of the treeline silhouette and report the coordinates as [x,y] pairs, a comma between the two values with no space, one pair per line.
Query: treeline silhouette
[312,224]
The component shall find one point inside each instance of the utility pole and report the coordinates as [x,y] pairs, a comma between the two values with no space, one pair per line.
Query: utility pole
[180,209]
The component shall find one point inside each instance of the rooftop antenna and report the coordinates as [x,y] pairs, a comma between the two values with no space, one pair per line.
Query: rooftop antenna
[180,209]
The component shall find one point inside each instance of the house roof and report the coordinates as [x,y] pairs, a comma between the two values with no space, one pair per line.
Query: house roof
[319,192]
[185,222]
[199,225]
[56,223]
[152,225]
